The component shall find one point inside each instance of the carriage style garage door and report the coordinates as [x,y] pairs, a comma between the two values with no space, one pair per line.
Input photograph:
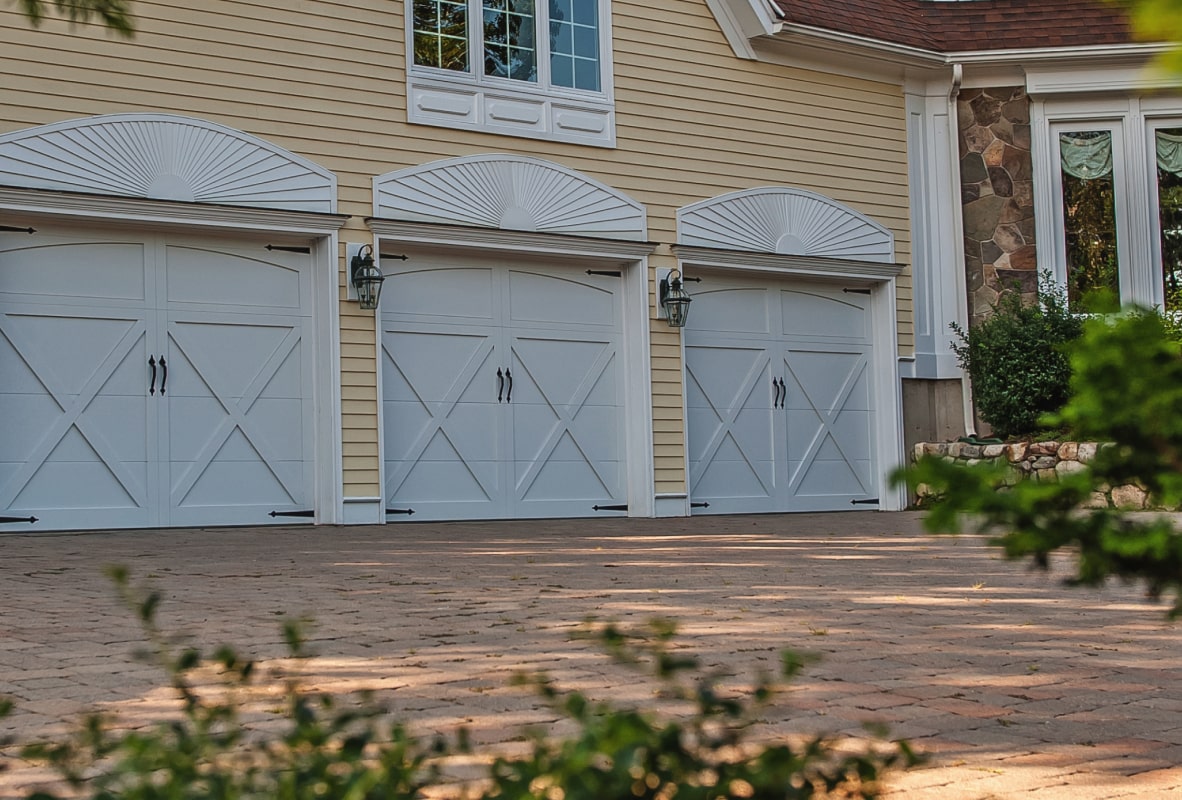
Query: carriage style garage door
[502,390]
[153,380]
[779,396]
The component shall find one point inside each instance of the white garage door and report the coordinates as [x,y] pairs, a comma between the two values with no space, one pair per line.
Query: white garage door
[153,380]
[502,391]
[779,397]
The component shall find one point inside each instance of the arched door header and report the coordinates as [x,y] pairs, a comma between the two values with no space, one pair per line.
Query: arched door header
[509,192]
[784,221]
[164,157]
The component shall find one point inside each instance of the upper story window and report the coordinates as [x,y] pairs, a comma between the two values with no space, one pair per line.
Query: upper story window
[538,68]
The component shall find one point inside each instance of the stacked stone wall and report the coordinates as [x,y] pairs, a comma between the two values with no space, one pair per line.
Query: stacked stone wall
[997,195]
[1040,461]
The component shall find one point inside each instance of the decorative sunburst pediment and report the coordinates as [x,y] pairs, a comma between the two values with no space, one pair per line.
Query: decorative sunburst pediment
[164,157]
[509,193]
[784,221]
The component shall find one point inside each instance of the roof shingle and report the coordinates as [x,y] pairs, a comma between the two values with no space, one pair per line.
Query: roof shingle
[978,25]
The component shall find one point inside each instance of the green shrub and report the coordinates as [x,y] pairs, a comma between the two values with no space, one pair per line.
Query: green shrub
[1126,392]
[1016,359]
[353,751]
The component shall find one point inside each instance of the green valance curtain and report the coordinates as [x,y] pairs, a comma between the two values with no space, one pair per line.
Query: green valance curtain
[1087,154]
[1169,151]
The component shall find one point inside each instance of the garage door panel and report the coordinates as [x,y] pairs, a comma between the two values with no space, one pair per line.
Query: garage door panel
[823,380]
[76,429]
[528,407]
[743,310]
[54,269]
[250,278]
[734,472]
[174,407]
[565,372]
[800,436]
[459,294]
[567,300]
[431,366]
[818,314]
[563,482]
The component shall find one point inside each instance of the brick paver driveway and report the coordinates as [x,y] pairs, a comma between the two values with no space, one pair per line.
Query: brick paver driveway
[1016,686]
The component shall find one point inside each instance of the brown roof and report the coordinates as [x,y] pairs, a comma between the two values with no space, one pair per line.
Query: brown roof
[978,25]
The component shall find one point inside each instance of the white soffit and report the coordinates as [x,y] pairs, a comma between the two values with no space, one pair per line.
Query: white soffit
[784,221]
[511,193]
[164,157]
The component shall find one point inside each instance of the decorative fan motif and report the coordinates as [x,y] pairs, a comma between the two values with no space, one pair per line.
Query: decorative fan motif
[164,157]
[509,193]
[784,221]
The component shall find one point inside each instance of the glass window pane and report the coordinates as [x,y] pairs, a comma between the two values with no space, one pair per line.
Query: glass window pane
[586,43]
[574,32]
[441,34]
[510,41]
[586,12]
[562,70]
[587,75]
[1169,199]
[1089,216]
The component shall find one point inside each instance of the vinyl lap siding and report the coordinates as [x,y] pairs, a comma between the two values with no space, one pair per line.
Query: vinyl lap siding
[328,82]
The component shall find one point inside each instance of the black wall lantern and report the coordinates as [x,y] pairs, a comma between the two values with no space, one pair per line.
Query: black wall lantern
[366,277]
[674,300]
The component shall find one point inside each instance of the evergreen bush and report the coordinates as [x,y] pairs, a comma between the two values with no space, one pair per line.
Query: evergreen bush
[1017,361]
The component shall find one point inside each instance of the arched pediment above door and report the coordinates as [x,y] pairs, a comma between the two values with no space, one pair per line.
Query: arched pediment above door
[784,221]
[164,157]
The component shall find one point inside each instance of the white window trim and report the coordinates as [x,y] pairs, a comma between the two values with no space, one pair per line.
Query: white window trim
[1135,185]
[474,101]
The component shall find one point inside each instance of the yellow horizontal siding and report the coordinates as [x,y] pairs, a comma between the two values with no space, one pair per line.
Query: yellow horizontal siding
[327,80]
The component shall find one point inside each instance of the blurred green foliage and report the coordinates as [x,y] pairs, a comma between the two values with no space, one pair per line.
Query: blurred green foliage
[333,750]
[1126,392]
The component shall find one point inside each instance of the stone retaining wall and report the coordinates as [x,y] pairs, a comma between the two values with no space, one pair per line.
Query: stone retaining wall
[1041,461]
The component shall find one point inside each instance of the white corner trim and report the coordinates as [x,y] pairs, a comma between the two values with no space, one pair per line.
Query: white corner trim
[164,157]
[363,511]
[784,221]
[671,505]
[511,193]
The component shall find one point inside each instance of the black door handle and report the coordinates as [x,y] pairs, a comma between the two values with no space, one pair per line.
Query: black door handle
[164,377]
[775,394]
[509,394]
[152,364]
[783,392]
[500,384]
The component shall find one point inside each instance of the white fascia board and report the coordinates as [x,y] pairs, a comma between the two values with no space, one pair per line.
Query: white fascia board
[743,20]
[93,207]
[418,234]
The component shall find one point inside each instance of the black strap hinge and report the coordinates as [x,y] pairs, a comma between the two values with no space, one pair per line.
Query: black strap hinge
[611,508]
[5,520]
[856,291]
[292,514]
[12,229]
[871,501]
[407,511]
[304,250]
[611,273]
[700,505]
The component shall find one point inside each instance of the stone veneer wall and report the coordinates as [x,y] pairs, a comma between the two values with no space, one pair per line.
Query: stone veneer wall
[1042,461]
[997,195]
